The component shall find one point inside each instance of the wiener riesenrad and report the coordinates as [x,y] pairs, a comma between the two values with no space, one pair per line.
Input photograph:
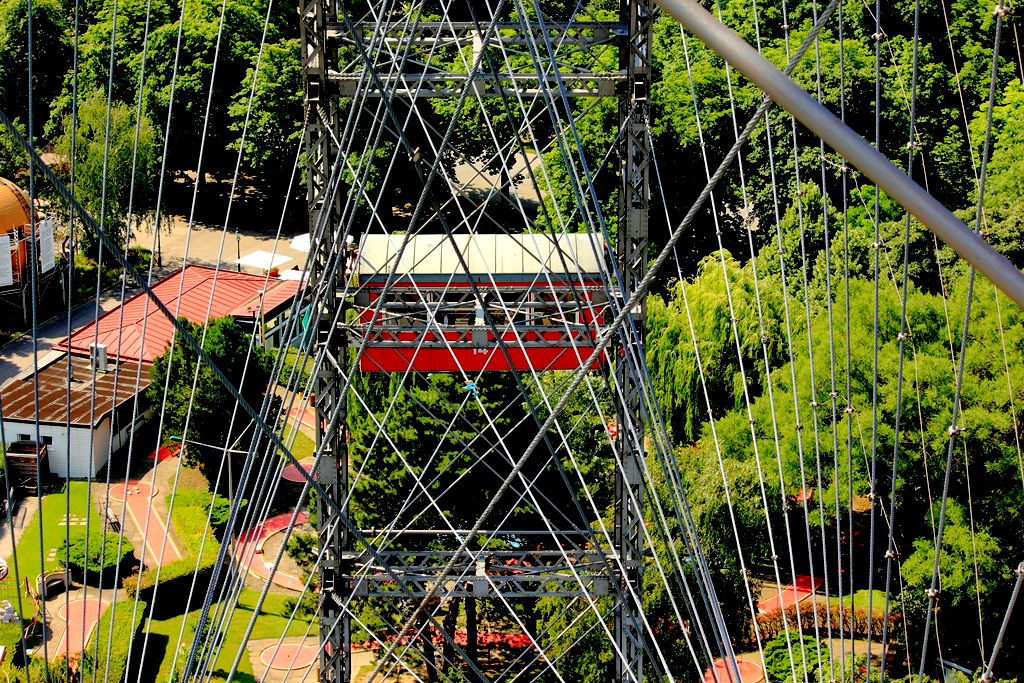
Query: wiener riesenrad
[507,341]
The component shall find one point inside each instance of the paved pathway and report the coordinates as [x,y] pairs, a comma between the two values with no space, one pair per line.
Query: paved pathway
[80,617]
[16,358]
[792,594]
[152,528]
[24,513]
[249,551]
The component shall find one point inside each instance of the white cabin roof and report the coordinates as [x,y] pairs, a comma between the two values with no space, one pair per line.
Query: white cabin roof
[499,255]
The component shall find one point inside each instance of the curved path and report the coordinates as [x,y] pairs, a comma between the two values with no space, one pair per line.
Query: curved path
[249,551]
[722,672]
[289,656]
[793,594]
[151,527]
[291,472]
[80,617]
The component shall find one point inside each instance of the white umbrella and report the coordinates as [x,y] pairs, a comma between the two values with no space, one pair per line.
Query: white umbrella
[264,260]
[300,242]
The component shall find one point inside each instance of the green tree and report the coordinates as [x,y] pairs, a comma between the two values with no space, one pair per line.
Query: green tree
[671,351]
[13,158]
[111,171]
[51,58]
[197,405]
[275,111]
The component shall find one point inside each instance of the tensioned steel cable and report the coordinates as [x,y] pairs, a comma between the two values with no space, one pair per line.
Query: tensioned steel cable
[933,590]
[890,553]
[605,339]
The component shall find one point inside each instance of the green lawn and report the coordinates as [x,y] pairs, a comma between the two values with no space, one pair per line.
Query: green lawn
[302,447]
[72,498]
[270,624]
[860,601]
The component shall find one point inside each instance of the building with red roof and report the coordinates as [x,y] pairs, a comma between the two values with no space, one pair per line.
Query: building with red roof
[84,421]
[137,331]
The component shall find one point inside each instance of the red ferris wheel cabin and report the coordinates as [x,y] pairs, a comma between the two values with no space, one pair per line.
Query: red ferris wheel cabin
[467,303]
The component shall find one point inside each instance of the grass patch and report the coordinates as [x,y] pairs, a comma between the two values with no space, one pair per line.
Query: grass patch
[295,369]
[860,601]
[302,447]
[271,622]
[95,664]
[73,498]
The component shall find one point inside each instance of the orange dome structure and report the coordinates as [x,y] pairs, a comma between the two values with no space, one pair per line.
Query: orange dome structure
[21,245]
[15,209]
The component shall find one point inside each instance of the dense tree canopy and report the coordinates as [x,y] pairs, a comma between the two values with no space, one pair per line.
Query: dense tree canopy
[196,406]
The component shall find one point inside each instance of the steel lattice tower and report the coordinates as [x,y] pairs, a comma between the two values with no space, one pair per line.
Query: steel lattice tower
[323,28]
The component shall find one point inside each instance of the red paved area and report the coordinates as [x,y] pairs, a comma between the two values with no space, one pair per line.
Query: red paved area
[164,453]
[151,527]
[291,472]
[722,672]
[304,413]
[792,594]
[289,656]
[80,616]
[249,551]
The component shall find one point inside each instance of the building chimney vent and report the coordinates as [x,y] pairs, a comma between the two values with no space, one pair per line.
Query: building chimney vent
[98,357]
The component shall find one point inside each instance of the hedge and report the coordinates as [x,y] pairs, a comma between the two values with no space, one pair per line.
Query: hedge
[95,665]
[852,622]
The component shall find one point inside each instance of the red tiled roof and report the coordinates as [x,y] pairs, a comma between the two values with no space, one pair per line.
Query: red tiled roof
[138,331]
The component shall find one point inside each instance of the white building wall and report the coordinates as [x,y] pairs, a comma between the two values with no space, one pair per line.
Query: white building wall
[80,439]
[100,449]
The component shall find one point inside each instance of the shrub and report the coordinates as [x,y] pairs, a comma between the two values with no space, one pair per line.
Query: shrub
[93,554]
[302,549]
[801,653]
[821,615]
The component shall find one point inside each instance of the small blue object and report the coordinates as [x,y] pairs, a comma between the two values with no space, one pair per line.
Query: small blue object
[471,386]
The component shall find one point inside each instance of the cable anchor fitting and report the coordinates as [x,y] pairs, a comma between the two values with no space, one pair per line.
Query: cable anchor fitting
[1020,569]
[889,554]
[815,404]
[876,245]
[954,430]
[1000,11]
[848,410]
[932,593]
[903,336]
[878,36]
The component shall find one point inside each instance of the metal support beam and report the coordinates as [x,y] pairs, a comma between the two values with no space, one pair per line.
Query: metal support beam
[631,247]
[855,149]
[321,133]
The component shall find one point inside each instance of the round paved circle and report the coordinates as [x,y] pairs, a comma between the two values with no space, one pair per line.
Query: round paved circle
[292,473]
[138,489]
[288,656]
[750,672]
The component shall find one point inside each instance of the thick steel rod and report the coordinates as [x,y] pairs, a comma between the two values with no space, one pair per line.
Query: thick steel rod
[911,196]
